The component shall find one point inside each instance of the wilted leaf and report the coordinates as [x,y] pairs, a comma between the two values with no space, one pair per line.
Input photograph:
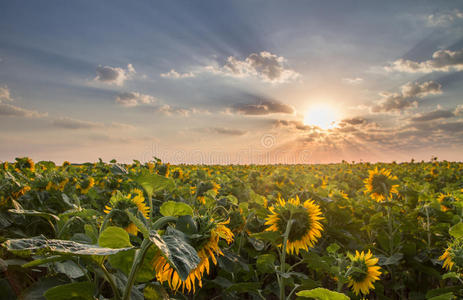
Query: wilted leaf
[58,246]
[181,255]
[34,213]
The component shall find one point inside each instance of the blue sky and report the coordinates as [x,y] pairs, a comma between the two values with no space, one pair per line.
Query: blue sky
[231,81]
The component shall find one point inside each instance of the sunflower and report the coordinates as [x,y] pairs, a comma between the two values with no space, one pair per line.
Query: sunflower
[446,257]
[208,250]
[364,272]
[446,201]
[121,203]
[380,184]
[86,185]
[306,229]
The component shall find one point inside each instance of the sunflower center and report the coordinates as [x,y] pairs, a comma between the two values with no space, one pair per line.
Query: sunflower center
[360,270]
[299,228]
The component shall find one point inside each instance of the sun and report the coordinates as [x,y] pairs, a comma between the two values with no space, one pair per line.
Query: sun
[322,116]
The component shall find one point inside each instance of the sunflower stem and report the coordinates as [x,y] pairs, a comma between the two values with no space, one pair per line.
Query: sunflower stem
[110,279]
[283,257]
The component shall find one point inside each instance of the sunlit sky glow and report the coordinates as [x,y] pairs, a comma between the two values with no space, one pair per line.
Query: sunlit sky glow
[257,81]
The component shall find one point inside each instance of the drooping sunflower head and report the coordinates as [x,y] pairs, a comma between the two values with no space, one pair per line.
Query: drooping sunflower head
[306,228]
[25,163]
[446,257]
[363,272]
[207,247]
[447,201]
[453,256]
[380,184]
[134,202]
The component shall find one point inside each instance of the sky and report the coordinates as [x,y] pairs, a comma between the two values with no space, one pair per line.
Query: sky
[231,82]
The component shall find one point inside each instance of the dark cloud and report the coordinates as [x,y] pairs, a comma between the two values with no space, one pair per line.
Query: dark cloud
[263,107]
[114,75]
[228,131]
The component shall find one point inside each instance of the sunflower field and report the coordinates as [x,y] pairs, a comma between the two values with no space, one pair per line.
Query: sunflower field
[159,231]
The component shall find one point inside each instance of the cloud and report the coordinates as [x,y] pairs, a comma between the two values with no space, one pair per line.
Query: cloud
[228,131]
[264,65]
[70,123]
[114,75]
[353,81]
[407,98]
[297,125]
[16,111]
[130,99]
[434,115]
[442,61]
[169,110]
[353,121]
[5,93]
[444,19]
[175,75]
[262,107]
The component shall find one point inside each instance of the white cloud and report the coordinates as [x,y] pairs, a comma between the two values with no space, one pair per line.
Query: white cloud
[442,60]
[353,81]
[176,75]
[130,99]
[264,65]
[407,98]
[444,19]
[114,75]
[5,93]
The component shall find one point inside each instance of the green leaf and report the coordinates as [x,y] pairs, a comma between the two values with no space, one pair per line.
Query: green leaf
[446,296]
[266,263]
[74,291]
[124,261]
[172,208]
[451,275]
[333,248]
[243,287]
[155,292]
[70,269]
[181,255]
[153,183]
[391,260]
[58,246]
[271,236]
[322,294]
[457,230]
[140,225]
[114,237]
[34,213]
[46,260]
